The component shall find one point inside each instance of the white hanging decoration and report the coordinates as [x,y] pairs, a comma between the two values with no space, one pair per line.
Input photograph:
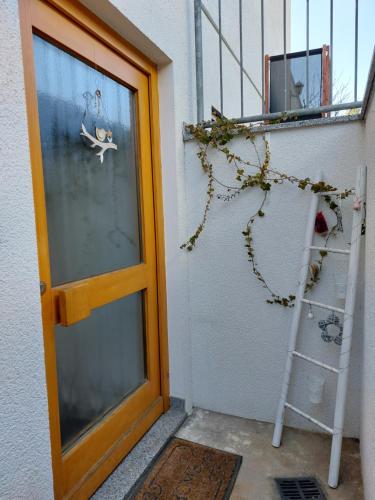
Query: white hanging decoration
[101,134]
[310,314]
[357,205]
[100,143]
[103,139]
[327,325]
[316,389]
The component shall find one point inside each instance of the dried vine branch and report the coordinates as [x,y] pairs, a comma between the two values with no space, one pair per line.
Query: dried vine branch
[208,168]
[217,138]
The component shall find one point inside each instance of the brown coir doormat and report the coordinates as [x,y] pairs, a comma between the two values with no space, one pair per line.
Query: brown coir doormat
[189,471]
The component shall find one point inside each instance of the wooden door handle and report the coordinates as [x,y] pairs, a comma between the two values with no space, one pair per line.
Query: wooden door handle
[74,304]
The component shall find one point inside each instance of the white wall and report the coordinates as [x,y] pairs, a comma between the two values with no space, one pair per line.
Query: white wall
[25,463]
[368,399]
[239,342]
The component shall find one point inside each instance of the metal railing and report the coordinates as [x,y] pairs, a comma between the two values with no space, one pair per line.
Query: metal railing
[199,9]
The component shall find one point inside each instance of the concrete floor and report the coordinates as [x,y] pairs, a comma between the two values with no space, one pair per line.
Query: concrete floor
[301,454]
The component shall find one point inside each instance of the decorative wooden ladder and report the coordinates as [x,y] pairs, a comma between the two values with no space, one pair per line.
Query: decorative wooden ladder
[343,369]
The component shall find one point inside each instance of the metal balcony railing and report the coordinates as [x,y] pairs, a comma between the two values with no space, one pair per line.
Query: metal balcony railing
[307,110]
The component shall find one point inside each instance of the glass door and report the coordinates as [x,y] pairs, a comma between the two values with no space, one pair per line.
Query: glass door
[93,219]
[93,187]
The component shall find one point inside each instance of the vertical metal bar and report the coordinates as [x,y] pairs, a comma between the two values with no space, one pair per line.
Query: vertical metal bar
[241,57]
[356,52]
[307,52]
[285,74]
[221,59]
[199,59]
[263,74]
[331,55]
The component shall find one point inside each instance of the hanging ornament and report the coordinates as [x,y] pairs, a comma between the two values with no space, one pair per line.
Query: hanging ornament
[357,205]
[314,270]
[98,143]
[101,133]
[338,213]
[326,325]
[310,314]
[103,138]
[321,226]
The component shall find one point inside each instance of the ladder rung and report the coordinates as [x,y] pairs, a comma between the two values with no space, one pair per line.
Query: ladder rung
[316,362]
[307,417]
[323,306]
[331,250]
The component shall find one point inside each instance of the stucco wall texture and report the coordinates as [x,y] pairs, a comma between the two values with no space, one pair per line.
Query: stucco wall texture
[239,342]
[25,470]
[368,389]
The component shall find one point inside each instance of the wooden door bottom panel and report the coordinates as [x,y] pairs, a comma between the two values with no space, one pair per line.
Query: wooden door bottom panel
[108,462]
[93,445]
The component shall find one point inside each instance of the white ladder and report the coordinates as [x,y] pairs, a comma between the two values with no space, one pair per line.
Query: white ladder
[343,370]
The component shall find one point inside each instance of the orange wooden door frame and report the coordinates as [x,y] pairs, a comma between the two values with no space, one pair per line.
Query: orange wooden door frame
[325,76]
[266,77]
[78,473]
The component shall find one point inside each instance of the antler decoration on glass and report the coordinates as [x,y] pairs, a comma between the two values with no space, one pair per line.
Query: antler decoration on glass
[103,139]
[102,135]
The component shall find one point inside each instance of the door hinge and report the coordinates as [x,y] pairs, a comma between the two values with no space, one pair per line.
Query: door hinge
[43,287]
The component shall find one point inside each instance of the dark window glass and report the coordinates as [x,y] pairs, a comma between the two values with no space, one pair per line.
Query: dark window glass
[296,94]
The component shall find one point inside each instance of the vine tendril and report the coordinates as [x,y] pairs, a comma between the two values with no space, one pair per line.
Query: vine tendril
[218,138]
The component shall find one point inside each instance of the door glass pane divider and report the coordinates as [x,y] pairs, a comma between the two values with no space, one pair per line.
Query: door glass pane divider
[107,288]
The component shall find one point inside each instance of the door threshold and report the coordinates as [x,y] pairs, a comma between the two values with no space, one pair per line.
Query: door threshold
[119,483]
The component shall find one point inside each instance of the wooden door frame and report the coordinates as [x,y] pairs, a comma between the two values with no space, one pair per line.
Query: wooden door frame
[89,22]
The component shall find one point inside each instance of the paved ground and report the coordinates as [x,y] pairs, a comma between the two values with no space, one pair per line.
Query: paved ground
[302,453]
[128,471]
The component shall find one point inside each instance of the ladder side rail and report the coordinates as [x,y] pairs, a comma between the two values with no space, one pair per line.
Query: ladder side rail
[342,382]
[296,319]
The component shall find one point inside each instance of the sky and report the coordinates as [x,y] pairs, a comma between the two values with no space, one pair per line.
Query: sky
[343,36]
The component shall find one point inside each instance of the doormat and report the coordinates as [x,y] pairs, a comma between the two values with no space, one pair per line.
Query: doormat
[187,470]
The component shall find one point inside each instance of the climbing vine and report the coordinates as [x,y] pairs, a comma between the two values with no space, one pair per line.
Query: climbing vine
[265,177]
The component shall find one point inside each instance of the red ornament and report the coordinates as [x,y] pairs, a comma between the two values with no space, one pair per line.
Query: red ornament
[321,225]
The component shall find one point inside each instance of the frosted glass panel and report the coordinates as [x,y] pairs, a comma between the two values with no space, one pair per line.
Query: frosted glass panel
[92,207]
[100,361]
